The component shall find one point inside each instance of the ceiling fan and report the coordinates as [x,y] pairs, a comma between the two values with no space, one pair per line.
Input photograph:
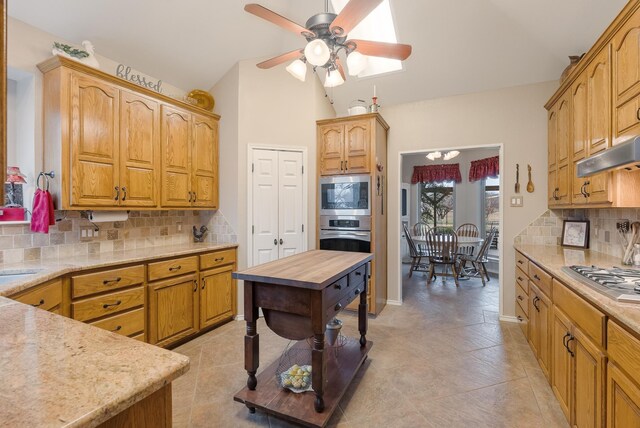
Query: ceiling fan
[326,35]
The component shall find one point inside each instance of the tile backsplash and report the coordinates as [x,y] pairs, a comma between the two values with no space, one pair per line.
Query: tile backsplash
[142,229]
[604,238]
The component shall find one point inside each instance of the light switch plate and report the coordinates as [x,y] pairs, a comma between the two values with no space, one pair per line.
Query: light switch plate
[516,201]
[86,233]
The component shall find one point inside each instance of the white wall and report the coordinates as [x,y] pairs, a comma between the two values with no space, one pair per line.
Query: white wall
[468,207]
[514,117]
[272,109]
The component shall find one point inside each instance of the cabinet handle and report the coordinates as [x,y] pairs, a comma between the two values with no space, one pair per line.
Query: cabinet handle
[337,286]
[638,114]
[357,291]
[195,197]
[520,298]
[117,193]
[35,305]
[124,193]
[118,328]
[535,276]
[174,268]
[189,196]
[346,165]
[218,260]
[203,283]
[195,285]
[338,306]
[109,281]
[281,241]
[520,278]
[107,305]
[586,193]
[519,318]
[535,300]
[569,349]
[520,262]
[564,340]
[358,273]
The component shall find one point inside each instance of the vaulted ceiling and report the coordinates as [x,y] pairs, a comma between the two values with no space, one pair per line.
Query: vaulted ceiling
[459,46]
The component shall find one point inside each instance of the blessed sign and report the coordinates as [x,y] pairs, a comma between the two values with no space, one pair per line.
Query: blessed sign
[126,73]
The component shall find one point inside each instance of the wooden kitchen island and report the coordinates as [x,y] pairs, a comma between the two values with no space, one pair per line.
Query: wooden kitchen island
[298,295]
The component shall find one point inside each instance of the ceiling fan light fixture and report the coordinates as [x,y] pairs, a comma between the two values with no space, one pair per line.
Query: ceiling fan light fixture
[298,69]
[356,62]
[451,154]
[317,52]
[333,79]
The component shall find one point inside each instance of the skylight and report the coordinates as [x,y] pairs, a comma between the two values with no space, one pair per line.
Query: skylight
[378,27]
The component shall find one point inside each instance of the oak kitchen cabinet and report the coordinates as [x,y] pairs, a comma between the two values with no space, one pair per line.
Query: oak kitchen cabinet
[48,296]
[116,145]
[358,145]
[604,109]
[345,147]
[623,378]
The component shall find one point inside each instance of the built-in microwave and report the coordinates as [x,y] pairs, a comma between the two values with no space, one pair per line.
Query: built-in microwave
[345,195]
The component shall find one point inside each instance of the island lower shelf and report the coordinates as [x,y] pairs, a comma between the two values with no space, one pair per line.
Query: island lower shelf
[342,365]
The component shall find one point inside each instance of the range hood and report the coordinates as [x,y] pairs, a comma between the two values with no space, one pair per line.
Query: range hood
[622,156]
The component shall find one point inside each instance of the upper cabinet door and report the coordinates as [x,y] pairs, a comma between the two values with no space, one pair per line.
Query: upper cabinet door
[552,138]
[331,138]
[563,141]
[176,157]
[599,102]
[626,80]
[139,150]
[205,162]
[94,142]
[579,119]
[358,147]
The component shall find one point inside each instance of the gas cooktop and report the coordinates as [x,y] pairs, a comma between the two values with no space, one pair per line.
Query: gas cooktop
[622,284]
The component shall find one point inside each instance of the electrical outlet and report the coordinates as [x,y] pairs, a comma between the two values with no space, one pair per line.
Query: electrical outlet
[179,226]
[622,225]
[86,233]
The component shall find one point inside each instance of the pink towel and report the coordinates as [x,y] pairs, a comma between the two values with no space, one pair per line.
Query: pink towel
[42,215]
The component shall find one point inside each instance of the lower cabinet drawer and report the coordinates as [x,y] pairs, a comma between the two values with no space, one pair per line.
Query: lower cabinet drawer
[127,324]
[588,318]
[540,278]
[522,262]
[523,320]
[353,294]
[624,349]
[219,258]
[523,280]
[47,296]
[108,280]
[523,299]
[107,304]
[173,267]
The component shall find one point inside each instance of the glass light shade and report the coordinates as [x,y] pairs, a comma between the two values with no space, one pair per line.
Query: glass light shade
[356,62]
[298,69]
[434,155]
[317,52]
[333,79]
[450,155]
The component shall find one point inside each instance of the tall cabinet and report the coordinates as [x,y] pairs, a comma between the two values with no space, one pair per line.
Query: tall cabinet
[358,145]
[116,145]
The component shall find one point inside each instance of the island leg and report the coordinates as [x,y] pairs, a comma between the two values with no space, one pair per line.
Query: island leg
[363,309]
[251,339]
[319,367]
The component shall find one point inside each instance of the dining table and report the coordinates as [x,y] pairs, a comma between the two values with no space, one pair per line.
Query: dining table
[463,241]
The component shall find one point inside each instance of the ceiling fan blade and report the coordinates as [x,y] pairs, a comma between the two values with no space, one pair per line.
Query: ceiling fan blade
[386,50]
[271,16]
[354,12]
[340,69]
[280,59]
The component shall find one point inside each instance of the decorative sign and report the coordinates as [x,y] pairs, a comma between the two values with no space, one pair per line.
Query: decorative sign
[126,73]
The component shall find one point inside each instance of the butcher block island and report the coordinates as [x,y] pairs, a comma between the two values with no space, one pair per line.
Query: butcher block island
[298,296]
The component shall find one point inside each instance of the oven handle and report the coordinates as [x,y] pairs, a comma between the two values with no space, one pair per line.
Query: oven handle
[360,236]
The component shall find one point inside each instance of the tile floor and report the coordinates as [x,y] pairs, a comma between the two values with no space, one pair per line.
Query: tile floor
[441,360]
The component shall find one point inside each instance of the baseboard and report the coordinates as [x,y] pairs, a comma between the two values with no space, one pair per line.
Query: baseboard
[394,302]
[239,317]
[507,318]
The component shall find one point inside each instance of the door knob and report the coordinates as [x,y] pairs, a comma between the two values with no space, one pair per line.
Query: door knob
[275,242]
[281,241]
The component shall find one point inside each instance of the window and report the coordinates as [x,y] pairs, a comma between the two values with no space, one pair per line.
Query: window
[437,205]
[377,26]
[491,206]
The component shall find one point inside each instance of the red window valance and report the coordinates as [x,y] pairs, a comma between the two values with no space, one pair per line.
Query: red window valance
[436,173]
[484,168]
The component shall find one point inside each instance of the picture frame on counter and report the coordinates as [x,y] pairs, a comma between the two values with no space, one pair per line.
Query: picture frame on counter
[575,233]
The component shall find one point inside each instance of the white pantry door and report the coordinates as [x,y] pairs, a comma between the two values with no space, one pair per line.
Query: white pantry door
[277,204]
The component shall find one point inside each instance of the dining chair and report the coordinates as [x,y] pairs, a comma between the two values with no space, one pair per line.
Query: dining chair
[416,253]
[421,229]
[479,260]
[468,230]
[441,247]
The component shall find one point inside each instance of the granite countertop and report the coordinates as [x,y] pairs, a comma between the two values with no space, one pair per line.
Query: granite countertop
[58,372]
[553,258]
[52,268]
